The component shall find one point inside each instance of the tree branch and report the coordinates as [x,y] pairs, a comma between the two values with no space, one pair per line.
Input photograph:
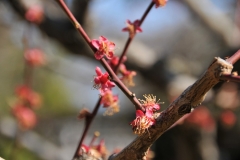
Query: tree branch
[190,98]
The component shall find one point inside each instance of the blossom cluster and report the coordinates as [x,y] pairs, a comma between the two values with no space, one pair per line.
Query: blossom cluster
[22,109]
[104,85]
[132,28]
[145,119]
[27,99]
[104,48]
[125,75]
[102,82]
[92,151]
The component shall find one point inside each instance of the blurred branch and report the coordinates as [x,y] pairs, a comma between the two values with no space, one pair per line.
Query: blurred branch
[190,98]
[68,36]
[217,21]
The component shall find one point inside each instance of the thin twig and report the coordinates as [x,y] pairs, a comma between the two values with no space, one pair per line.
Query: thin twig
[230,77]
[114,77]
[234,58]
[76,24]
[86,128]
[130,38]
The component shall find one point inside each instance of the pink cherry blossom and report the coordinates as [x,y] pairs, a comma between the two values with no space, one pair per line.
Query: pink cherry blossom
[127,76]
[34,57]
[34,14]
[132,28]
[110,102]
[25,116]
[160,3]
[104,47]
[23,91]
[102,81]
[101,148]
[27,95]
[98,151]
[150,103]
[141,123]
[144,120]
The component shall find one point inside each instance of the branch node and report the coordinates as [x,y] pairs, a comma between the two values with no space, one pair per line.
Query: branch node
[133,94]
[76,24]
[184,109]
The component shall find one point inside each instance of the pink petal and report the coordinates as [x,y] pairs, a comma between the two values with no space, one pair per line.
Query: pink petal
[138,30]
[103,89]
[109,55]
[125,29]
[96,80]
[115,98]
[152,122]
[124,59]
[149,113]
[85,148]
[129,22]
[98,71]
[136,22]
[156,106]
[104,78]
[95,43]
[98,55]
[111,46]
[110,84]
[139,113]
[103,39]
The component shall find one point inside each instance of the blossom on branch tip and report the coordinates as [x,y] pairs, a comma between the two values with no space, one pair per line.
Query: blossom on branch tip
[102,82]
[144,120]
[94,151]
[132,28]
[104,47]
[150,103]
[160,3]
[141,123]
[101,149]
[110,102]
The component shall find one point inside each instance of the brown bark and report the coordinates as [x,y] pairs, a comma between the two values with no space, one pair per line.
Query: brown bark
[190,98]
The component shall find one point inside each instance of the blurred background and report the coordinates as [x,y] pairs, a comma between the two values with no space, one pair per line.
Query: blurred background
[177,44]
